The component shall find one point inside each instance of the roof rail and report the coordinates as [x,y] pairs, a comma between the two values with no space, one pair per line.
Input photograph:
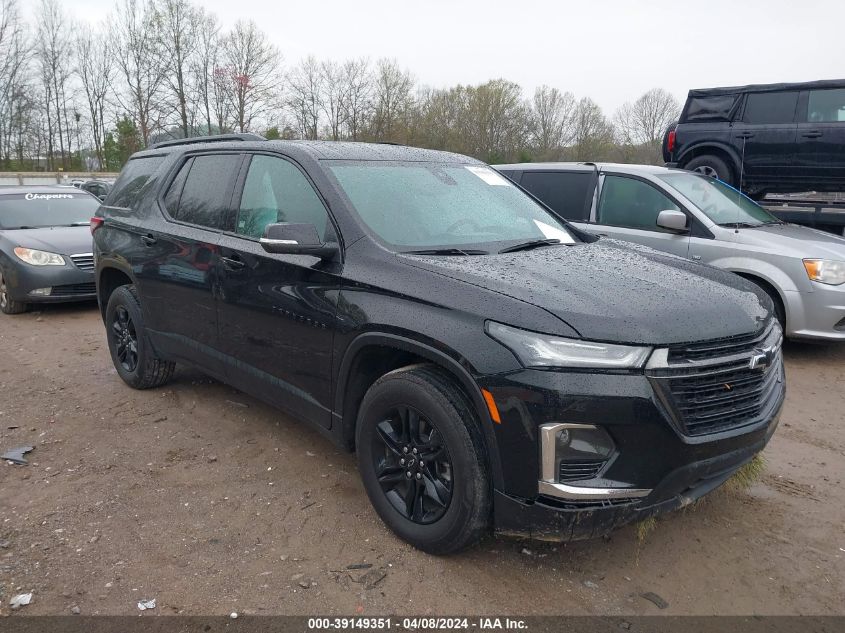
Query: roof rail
[219,138]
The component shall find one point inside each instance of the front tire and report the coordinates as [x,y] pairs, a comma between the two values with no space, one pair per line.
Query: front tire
[712,166]
[422,460]
[132,354]
[7,304]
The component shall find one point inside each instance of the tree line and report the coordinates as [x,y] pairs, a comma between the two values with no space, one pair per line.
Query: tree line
[74,96]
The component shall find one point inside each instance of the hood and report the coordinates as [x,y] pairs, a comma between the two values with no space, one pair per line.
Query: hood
[616,292]
[64,240]
[795,240]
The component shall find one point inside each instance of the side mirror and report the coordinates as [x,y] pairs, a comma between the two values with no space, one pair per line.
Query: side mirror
[296,239]
[672,220]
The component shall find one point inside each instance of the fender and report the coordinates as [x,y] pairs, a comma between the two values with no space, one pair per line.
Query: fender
[772,275]
[437,357]
[730,151]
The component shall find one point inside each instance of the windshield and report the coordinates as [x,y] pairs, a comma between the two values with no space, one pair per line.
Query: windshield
[419,206]
[39,210]
[720,202]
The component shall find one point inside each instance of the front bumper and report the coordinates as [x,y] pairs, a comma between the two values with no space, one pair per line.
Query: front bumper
[656,466]
[548,519]
[66,283]
[817,315]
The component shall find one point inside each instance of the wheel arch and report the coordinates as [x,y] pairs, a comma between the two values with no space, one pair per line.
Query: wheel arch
[371,355]
[110,277]
[722,150]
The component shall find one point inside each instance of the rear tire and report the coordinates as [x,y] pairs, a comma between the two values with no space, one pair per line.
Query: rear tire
[712,166]
[7,304]
[132,354]
[422,460]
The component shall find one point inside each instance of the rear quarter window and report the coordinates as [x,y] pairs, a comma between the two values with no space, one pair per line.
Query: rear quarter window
[710,108]
[131,184]
[566,193]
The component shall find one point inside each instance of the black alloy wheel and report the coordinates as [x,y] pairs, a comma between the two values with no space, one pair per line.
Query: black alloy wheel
[412,465]
[125,339]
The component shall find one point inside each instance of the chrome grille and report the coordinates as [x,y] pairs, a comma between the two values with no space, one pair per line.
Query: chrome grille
[707,394]
[83,261]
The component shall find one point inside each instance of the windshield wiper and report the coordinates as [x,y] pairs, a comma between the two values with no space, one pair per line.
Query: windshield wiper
[740,225]
[447,251]
[527,246]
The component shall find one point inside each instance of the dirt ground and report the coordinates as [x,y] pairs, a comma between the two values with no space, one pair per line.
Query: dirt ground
[211,502]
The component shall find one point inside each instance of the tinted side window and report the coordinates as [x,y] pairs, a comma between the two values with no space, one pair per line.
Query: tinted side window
[632,203]
[174,191]
[770,107]
[131,184]
[207,192]
[276,191]
[826,106]
[565,193]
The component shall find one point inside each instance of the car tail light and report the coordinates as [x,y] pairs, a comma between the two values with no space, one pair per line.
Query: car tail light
[670,145]
[96,223]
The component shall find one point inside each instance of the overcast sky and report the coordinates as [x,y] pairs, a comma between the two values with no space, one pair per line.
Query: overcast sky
[610,50]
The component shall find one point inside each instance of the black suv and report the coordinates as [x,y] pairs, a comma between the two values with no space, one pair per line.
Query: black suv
[490,364]
[776,138]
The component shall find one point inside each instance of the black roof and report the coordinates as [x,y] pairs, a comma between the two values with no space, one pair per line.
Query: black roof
[806,85]
[326,150]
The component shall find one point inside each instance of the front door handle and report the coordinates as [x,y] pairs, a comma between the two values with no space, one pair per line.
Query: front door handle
[745,135]
[812,134]
[232,263]
[148,240]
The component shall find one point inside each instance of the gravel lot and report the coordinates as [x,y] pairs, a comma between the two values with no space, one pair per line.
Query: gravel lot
[211,502]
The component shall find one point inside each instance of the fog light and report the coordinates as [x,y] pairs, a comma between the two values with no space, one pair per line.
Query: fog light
[40,292]
[573,452]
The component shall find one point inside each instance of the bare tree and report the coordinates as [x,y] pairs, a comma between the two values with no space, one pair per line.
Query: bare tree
[53,47]
[551,120]
[96,71]
[334,99]
[305,96]
[137,53]
[14,66]
[496,119]
[254,64]
[645,120]
[179,27]
[592,133]
[393,100]
[203,66]
[359,105]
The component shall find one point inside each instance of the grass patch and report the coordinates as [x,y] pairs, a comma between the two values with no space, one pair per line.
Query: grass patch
[747,475]
[644,528]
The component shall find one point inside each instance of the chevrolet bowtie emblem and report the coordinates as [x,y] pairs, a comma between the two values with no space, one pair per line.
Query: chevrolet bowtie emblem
[760,359]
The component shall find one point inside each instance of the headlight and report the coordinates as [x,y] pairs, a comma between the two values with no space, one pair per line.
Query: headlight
[825,271]
[39,258]
[543,350]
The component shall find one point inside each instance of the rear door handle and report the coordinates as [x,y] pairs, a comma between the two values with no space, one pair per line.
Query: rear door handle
[148,240]
[745,135]
[232,263]
[812,134]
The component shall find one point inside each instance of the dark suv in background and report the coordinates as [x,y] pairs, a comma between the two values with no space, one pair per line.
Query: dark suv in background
[490,364]
[777,138]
